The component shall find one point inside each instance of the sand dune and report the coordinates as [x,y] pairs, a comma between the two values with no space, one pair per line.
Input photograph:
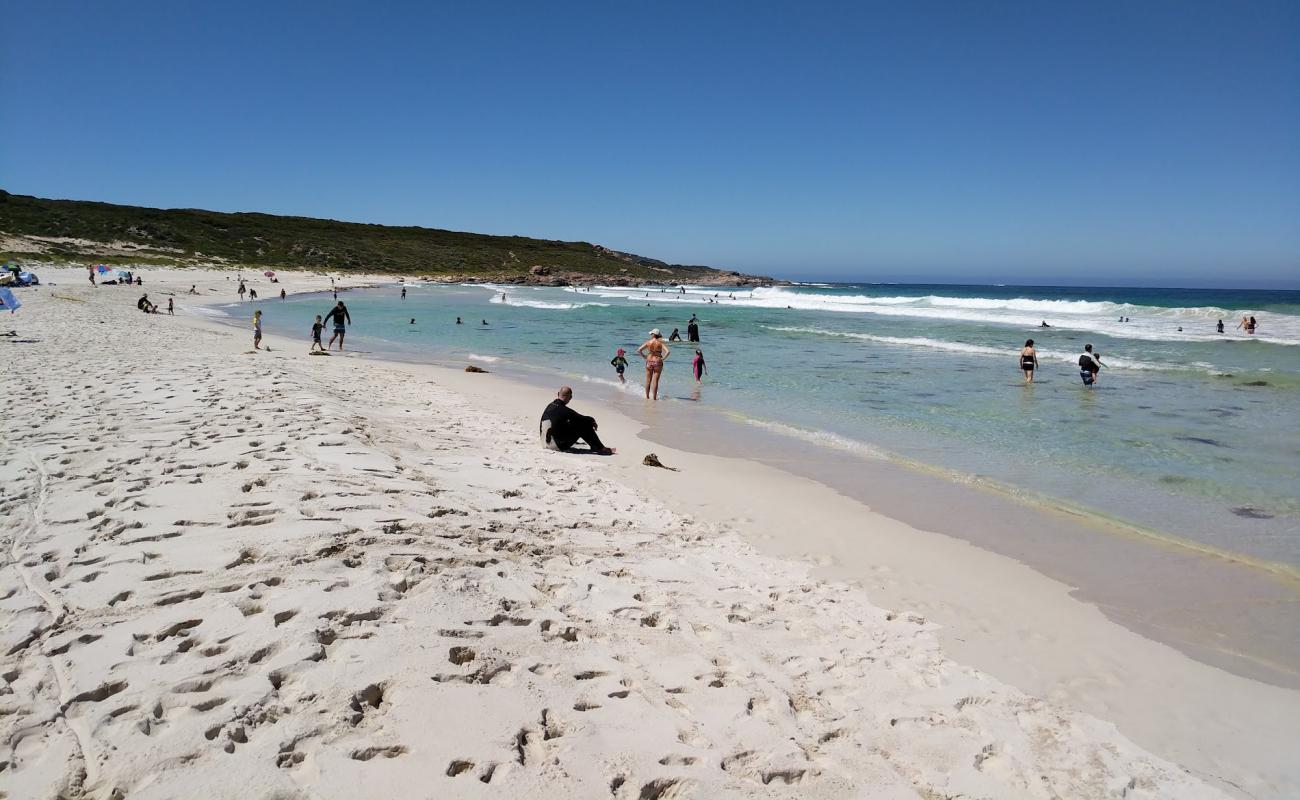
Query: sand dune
[235,574]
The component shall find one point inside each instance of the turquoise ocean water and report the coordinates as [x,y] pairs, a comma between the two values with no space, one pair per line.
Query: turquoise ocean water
[1189,432]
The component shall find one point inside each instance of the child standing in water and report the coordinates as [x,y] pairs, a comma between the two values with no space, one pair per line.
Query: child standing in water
[171,306]
[620,364]
[698,366]
[316,329]
[257,329]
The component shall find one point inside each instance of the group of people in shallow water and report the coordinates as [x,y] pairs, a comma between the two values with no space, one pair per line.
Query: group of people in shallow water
[655,351]
[1090,365]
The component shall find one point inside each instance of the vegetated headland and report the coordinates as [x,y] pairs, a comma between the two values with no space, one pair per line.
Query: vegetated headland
[34,229]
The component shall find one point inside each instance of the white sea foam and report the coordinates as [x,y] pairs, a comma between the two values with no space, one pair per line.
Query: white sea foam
[488,359]
[1113,362]
[511,298]
[630,387]
[204,311]
[822,438]
[1153,323]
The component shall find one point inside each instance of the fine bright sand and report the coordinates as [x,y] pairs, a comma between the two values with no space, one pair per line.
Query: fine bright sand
[236,574]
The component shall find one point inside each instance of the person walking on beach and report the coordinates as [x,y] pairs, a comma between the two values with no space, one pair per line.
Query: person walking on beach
[403,292]
[282,294]
[91,270]
[316,328]
[568,426]
[252,294]
[171,306]
[698,367]
[655,352]
[242,290]
[340,315]
[1088,366]
[619,362]
[257,329]
[1028,360]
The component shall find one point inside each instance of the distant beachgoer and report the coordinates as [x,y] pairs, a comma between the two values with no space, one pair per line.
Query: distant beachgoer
[193,290]
[1088,366]
[1028,360]
[619,362]
[171,306]
[1128,319]
[458,322]
[484,322]
[693,330]
[412,320]
[1044,324]
[1251,327]
[674,336]
[92,275]
[567,426]
[242,290]
[144,304]
[1247,323]
[1219,327]
[340,315]
[281,294]
[654,351]
[316,328]
[1180,328]
[252,294]
[139,281]
[257,329]
[698,366]
[403,292]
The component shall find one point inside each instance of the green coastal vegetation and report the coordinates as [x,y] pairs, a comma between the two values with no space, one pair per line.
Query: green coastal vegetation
[77,231]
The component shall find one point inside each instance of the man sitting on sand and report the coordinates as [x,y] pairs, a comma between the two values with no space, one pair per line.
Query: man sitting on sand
[568,426]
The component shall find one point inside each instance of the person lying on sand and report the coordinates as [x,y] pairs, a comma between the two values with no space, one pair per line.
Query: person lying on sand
[568,426]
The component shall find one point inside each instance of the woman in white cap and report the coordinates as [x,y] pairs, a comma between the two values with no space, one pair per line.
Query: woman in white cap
[654,351]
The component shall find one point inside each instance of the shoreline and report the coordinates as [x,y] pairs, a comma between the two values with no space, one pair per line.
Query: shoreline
[1003,633]
[1246,624]
[1067,648]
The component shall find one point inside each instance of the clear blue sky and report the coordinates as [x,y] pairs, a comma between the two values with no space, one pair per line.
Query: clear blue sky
[1153,142]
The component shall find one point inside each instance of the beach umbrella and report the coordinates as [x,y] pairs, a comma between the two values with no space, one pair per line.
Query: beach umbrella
[102,269]
[269,274]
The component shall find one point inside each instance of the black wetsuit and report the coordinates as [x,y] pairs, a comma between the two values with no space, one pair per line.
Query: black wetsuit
[692,332]
[568,426]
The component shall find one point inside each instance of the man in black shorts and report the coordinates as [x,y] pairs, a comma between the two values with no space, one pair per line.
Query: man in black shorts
[339,314]
[1088,367]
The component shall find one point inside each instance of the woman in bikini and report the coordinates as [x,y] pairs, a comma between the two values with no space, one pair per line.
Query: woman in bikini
[654,351]
[1028,360]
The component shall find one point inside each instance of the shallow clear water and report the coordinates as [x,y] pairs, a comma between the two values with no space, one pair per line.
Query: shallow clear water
[1187,432]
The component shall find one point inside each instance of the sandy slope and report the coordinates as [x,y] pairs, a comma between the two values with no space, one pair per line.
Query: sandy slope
[230,574]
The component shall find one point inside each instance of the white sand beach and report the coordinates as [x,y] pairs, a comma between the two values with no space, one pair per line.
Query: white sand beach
[250,574]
